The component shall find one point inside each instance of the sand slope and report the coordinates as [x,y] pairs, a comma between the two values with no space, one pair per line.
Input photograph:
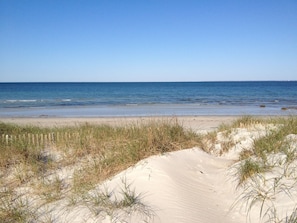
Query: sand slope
[184,186]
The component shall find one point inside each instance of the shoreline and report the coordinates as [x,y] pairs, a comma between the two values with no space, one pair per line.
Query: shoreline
[154,110]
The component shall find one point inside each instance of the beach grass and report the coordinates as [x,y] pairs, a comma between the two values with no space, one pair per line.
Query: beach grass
[266,172]
[265,162]
[275,141]
[93,153]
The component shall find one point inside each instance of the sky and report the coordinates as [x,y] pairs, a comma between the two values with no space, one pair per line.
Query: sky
[147,40]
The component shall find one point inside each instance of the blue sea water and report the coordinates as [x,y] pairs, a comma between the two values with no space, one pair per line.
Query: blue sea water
[147,99]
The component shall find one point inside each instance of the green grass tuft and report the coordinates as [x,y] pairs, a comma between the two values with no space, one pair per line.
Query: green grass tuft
[249,168]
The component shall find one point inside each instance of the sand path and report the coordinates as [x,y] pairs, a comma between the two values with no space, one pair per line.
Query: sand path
[184,186]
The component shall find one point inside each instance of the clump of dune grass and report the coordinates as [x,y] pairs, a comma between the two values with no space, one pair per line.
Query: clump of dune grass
[273,143]
[126,200]
[246,121]
[248,168]
[14,208]
[220,141]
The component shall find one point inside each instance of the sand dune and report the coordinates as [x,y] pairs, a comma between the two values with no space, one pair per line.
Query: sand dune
[184,186]
[187,186]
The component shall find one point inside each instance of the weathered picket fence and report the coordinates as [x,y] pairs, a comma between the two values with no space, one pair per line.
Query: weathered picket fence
[38,139]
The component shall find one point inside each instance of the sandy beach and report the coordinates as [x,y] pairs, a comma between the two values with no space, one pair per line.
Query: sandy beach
[193,122]
[187,186]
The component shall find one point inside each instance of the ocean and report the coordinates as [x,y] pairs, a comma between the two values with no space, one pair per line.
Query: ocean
[148,99]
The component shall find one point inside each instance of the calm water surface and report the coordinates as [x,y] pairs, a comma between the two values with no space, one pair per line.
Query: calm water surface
[147,99]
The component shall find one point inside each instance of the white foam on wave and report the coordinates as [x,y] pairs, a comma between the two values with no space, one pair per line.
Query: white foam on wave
[14,101]
[132,104]
[27,100]
[10,101]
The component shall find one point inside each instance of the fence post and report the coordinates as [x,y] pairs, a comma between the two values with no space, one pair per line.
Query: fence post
[33,139]
[41,140]
[45,142]
[6,139]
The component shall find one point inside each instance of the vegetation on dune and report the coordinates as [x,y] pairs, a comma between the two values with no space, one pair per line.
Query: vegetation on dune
[30,155]
[267,171]
[265,167]
[275,142]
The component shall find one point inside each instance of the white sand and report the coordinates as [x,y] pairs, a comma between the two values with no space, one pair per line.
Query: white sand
[184,186]
[193,122]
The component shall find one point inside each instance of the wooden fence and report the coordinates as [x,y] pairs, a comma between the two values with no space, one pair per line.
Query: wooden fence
[38,139]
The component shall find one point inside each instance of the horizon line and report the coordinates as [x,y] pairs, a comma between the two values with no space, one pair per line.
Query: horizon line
[32,82]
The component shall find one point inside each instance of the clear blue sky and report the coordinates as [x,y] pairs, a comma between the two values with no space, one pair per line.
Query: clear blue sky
[148,40]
